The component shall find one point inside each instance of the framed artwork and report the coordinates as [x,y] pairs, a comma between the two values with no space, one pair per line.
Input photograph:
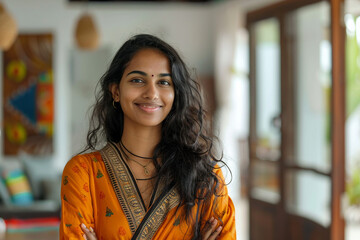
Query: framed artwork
[28,95]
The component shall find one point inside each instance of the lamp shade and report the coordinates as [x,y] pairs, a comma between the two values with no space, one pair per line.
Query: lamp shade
[8,29]
[86,33]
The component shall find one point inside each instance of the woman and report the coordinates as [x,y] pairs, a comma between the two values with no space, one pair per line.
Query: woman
[157,176]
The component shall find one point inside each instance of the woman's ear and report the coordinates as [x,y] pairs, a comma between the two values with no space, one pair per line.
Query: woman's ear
[114,89]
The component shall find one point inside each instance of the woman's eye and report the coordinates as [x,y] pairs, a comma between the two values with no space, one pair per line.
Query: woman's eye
[137,80]
[164,82]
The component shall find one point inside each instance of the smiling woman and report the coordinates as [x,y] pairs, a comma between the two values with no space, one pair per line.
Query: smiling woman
[146,92]
[157,177]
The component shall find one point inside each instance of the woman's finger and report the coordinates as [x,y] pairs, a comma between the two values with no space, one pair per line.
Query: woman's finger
[206,232]
[209,229]
[215,233]
[89,234]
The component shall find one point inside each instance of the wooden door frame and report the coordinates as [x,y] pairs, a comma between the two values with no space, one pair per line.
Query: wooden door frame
[337,227]
[277,234]
[338,117]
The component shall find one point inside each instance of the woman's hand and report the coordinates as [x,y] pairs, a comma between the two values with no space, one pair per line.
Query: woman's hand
[89,234]
[210,232]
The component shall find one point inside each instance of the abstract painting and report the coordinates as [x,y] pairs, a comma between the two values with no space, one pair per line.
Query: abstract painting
[28,95]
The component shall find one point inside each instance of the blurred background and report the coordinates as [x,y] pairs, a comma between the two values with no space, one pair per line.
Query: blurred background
[281,80]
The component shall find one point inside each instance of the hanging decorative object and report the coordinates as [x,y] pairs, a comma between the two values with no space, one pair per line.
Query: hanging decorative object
[86,34]
[8,29]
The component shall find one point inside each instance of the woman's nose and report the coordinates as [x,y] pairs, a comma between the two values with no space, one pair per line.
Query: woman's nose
[151,92]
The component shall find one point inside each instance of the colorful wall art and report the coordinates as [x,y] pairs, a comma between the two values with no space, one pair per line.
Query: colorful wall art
[28,95]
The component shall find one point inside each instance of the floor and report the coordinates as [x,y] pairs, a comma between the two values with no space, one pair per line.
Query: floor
[49,235]
[241,219]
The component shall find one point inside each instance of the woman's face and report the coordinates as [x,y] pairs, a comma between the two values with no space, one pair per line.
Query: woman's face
[146,91]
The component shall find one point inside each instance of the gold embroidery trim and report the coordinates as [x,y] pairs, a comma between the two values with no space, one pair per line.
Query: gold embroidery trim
[124,187]
[158,215]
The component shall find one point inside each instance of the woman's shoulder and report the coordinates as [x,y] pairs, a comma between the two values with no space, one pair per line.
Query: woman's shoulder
[84,159]
[217,169]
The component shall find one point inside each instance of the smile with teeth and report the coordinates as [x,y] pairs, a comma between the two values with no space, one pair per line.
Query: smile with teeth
[148,107]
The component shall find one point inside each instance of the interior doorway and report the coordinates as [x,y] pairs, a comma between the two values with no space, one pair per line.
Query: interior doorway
[297,111]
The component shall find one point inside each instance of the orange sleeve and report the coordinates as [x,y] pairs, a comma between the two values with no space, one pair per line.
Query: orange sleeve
[222,208]
[76,201]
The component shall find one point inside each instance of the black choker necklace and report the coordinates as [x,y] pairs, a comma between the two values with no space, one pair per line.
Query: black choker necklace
[122,145]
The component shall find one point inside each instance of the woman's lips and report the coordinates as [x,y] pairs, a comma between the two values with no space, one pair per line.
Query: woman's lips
[148,107]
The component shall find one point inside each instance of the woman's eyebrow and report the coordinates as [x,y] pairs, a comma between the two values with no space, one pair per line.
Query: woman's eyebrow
[138,72]
[145,74]
[164,75]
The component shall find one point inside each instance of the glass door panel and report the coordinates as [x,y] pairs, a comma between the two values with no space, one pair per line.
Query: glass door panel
[268,108]
[264,167]
[308,163]
[312,87]
[265,181]
[309,195]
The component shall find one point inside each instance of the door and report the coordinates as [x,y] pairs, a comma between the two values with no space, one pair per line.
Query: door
[296,121]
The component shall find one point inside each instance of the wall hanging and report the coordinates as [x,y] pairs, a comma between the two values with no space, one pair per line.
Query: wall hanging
[28,95]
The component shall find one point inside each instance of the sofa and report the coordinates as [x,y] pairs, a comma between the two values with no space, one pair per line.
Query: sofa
[29,187]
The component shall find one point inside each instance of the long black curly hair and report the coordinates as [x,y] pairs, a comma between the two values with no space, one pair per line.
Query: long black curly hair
[186,148]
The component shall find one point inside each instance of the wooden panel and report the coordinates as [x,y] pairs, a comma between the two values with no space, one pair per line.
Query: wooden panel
[303,229]
[263,220]
[277,9]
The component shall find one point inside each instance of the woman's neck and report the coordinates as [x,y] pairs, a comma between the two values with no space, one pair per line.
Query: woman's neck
[141,140]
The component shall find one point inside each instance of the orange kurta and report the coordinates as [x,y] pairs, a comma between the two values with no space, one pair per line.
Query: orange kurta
[99,190]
